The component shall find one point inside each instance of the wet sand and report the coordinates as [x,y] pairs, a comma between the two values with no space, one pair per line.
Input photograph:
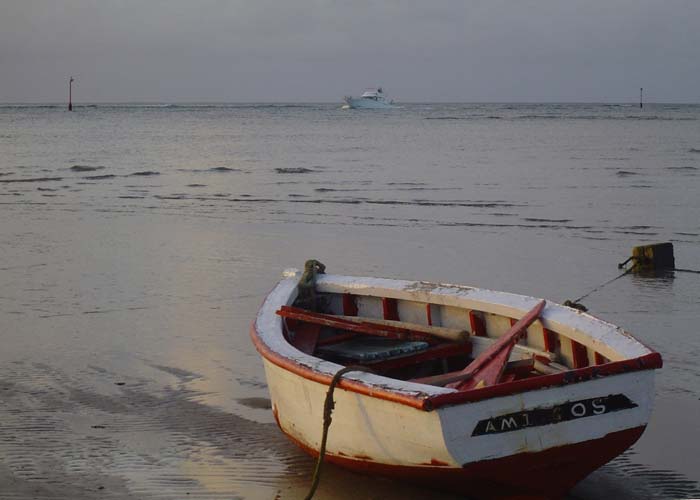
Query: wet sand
[152,396]
[114,436]
[149,396]
[64,440]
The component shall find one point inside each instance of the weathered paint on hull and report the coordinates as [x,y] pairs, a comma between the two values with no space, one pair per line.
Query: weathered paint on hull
[437,449]
[513,440]
[547,474]
[363,426]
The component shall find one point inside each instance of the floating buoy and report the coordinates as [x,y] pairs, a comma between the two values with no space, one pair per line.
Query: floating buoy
[648,257]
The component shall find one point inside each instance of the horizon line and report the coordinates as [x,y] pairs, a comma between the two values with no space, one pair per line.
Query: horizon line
[207,102]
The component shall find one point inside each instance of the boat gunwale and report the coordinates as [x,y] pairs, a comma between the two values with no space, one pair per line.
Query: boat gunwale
[429,402]
[426,401]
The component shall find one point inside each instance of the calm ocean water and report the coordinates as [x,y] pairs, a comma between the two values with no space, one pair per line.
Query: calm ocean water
[137,241]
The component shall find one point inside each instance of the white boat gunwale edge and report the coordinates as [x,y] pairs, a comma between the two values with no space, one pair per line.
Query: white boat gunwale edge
[266,333]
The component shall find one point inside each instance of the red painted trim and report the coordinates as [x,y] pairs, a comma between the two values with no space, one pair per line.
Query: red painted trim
[647,362]
[347,384]
[477,324]
[543,475]
[488,367]
[599,359]
[390,308]
[349,305]
[305,336]
[387,331]
[580,354]
[551,342]
[436,463]
[424,402]
[429,314]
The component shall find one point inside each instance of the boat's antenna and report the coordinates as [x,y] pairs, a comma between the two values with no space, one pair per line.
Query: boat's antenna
[640,97]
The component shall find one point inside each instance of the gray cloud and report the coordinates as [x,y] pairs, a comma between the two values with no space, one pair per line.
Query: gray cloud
[319,50]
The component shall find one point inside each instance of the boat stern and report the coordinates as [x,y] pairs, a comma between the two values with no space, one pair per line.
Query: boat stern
[545,441]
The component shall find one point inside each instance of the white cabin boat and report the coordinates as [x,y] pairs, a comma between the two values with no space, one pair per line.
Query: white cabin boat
[570,393]
[371,99]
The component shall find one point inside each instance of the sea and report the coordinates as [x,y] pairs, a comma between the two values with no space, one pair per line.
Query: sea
[137,242]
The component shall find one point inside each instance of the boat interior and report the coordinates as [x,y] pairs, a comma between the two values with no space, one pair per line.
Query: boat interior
[430,343]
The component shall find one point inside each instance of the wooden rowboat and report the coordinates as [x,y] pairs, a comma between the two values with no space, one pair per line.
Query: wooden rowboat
[485,393]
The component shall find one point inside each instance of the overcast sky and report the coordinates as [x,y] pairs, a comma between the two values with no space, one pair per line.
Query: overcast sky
[320,50]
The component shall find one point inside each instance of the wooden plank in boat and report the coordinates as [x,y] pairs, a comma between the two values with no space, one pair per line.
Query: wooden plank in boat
[304,337]
[483,343]
[454,334]
[369,349]
[516,367]
[441,351]
[368,328]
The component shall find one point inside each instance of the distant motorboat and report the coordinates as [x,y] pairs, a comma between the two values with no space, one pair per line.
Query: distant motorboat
[373,98]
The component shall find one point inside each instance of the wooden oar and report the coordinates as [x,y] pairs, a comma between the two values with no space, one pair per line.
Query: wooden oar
[453,334]
[332,321]
[483,343]
[488,367]
[522,365]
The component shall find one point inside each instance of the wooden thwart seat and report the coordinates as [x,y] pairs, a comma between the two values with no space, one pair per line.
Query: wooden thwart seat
[385,345]
[371,349]
[378,327]
[441,351]
[395,344]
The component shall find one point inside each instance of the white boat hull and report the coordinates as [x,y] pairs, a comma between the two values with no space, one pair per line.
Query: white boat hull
[360,103]
[375,430]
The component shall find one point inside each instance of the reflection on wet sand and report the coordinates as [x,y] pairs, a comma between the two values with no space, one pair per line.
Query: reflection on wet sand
[129,441]
[166,445]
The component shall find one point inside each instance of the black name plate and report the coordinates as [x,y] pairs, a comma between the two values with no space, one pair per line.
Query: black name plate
[570,410]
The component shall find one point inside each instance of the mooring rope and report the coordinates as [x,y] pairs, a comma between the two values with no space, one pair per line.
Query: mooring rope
[328,406]
[306,297]
[639,261]
[686,270]
[576,304]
